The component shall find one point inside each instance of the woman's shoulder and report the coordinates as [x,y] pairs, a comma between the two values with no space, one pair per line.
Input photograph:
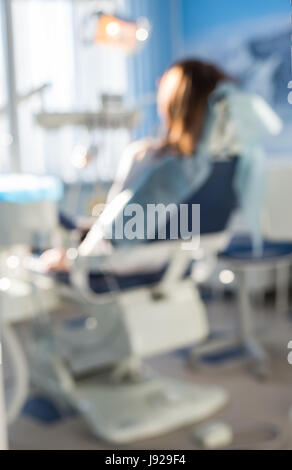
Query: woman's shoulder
[135,156]
[139,149]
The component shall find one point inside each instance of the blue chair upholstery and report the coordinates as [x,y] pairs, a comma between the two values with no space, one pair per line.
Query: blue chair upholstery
[240,249]
[216,197]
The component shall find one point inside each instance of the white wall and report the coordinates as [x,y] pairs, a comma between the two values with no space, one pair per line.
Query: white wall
[49,49]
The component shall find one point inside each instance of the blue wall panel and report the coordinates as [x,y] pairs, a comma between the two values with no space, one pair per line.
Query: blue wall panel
[251,39]
[200,16]
[148,65]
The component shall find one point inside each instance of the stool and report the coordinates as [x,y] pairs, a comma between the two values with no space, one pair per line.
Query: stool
[241,259]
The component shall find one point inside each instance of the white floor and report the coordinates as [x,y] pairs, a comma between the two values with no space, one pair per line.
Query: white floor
[258,411]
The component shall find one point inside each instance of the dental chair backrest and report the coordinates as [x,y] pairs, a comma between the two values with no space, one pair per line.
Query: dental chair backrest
[217,198]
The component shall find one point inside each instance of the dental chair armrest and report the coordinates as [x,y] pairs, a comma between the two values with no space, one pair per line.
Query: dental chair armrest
[81,268]
[170,253]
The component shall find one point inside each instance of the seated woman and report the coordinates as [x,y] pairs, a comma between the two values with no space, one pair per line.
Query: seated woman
[206,119]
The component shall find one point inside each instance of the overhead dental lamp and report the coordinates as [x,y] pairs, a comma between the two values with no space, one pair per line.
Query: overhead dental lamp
[112,30]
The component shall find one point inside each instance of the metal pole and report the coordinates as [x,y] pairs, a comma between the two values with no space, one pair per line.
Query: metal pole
[282,289]
[8,49]
[3,428]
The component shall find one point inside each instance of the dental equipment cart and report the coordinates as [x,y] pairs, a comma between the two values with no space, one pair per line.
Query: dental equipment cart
[28,212]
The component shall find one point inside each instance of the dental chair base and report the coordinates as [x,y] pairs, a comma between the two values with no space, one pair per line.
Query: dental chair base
[133,409]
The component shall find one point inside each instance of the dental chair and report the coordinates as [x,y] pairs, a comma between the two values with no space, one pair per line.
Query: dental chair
[97,365]
[98,362]
[94,360]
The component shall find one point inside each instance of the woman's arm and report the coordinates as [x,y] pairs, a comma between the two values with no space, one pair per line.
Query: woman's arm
[129,165]
[127,172]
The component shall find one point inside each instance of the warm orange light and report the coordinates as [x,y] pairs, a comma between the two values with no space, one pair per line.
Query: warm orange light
[116,32]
